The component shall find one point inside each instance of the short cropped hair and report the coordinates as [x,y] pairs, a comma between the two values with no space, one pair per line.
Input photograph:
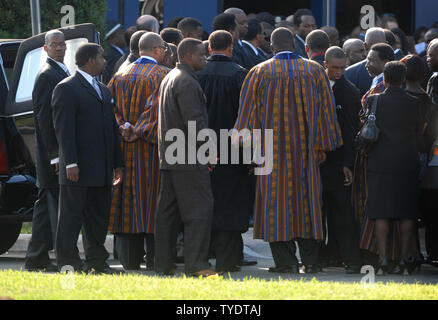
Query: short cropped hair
[85,52]
[254,28]
[189,24]
[224,21]
[394,73]
[220,40]
[384,51]
[299,14]
[187,46]
[416,68]
[318,41]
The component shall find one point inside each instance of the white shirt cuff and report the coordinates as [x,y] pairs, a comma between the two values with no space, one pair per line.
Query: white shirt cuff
[54,161]
[72,165]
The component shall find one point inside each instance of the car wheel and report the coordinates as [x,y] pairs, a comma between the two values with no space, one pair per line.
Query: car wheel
[8,235]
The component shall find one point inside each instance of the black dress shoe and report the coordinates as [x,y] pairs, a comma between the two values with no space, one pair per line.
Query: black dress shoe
[47,268]
[311,268]
[244,263]
[104,270]
[382,268]
[352,269]
[284,269]
[230,269]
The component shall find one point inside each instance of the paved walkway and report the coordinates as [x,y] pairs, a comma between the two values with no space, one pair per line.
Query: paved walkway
[254,250]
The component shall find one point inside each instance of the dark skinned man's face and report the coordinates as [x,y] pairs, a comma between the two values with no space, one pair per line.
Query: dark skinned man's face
[56,47]
[374,64]
[335,68]
[242,24]
[308,24]
[432,57]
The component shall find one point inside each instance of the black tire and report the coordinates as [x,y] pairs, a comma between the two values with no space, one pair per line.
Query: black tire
[8,235]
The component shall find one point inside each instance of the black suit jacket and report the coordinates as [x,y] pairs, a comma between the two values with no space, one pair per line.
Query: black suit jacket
[399,120]
[47,145]
[359,76]
[252,59]
[348,105]
[300,48]
[112,56]
[87,132]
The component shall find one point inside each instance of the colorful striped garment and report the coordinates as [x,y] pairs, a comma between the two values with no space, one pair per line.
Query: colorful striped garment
[135,93]
[292,96]
[360,186]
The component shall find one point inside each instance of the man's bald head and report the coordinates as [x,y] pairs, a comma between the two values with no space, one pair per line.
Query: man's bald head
[52,33]
[430,35]
[234,11]
[148,23]
[373,36]
[354,50]
[334,53]
[282,40]
[152,45]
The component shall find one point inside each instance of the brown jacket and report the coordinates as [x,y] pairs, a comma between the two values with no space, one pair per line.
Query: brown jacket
[181,100]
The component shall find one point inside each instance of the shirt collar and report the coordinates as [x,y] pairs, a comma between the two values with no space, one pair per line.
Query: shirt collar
[186,68]
[376,80]
[150,58]
[332,83]
[118,49]
[63,66]
[251,46]
[301,39]
[87,76]
[284,52]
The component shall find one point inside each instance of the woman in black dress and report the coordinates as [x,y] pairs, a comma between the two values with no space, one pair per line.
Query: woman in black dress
[416,72]
[393,166]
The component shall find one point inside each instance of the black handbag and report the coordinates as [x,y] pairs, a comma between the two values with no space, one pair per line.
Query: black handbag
[369,133]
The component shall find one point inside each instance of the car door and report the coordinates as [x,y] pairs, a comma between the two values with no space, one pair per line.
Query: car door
[30,57]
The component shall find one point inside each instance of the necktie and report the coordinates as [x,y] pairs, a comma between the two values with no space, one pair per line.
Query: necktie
[96,87]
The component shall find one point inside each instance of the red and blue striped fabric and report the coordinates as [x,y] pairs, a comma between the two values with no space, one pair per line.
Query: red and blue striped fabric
[293,97]
[135,94]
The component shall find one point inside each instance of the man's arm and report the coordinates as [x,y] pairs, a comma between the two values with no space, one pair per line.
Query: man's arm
[64,120]
[42,96]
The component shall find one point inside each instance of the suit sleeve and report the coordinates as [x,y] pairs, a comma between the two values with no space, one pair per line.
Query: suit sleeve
[64,120]
[351,127]
[42,96]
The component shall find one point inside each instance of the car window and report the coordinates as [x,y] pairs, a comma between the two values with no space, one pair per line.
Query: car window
[33,62]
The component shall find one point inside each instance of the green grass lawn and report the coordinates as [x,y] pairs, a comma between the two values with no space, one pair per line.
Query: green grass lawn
[25,285]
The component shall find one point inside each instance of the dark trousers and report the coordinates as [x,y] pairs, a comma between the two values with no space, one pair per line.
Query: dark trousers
[130,249]
[342,228]
[283,252]
[227,249]
[429,208]
[44,222]
[87,208]
[185,196]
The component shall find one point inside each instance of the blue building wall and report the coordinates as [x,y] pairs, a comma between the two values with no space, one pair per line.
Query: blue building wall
[203,10]
[426,12]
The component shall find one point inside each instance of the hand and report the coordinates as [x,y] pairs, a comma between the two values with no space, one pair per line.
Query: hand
[73,174]
[348,176]
[321,156]
[57,168]
[118,176]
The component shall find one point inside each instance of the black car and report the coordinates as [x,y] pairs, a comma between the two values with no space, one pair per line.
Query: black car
[20,61]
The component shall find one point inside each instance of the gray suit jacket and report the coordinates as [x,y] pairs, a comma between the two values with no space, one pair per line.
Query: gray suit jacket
[181,100]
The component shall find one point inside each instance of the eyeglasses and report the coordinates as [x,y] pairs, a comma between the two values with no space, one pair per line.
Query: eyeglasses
[56,44]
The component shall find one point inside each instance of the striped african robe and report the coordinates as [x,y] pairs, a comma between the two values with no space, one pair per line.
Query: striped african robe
[135,93]
[292,96]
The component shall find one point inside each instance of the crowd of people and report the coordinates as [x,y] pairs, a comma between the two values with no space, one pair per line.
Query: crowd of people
[104,158]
